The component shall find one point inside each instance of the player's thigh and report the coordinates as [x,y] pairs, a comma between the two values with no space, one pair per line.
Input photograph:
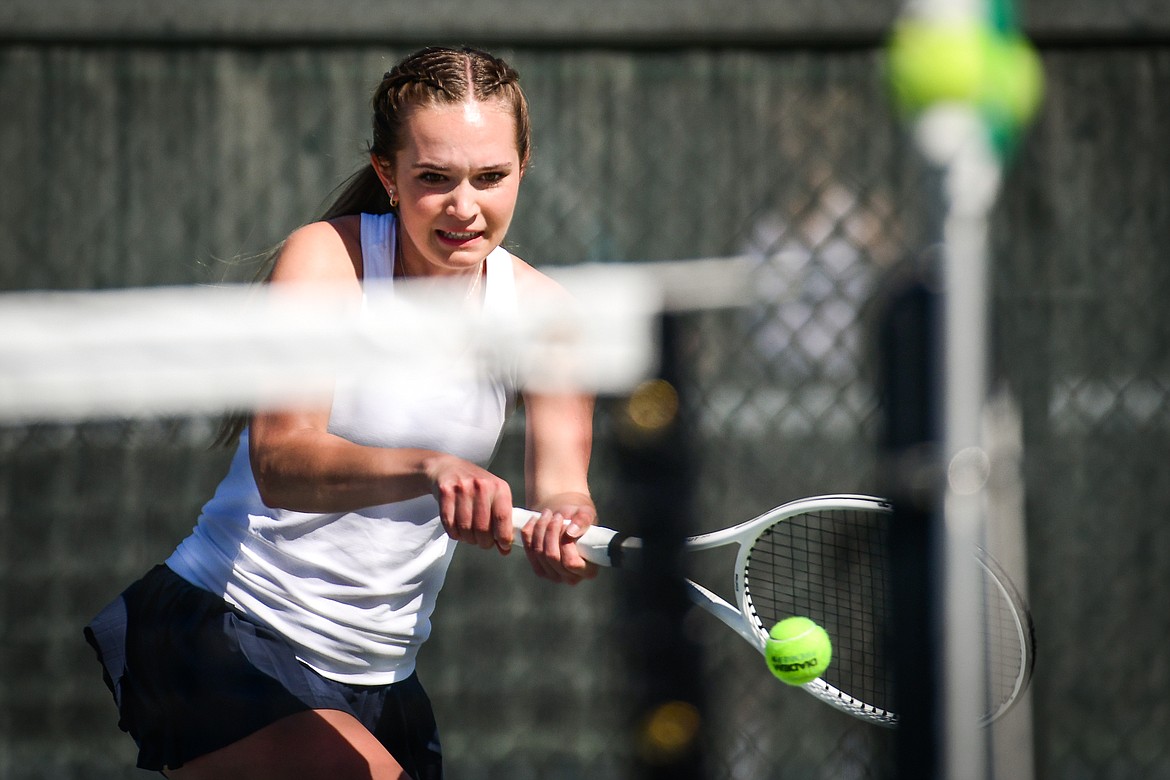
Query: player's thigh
[312,745]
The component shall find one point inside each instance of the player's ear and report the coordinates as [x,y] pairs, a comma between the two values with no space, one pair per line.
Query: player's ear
[384,171]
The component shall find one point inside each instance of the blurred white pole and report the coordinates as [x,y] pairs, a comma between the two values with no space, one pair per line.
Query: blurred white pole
[972,83]
[956,138]
[1011,754]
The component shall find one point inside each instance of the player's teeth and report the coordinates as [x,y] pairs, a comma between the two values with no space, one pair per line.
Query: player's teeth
[458,235]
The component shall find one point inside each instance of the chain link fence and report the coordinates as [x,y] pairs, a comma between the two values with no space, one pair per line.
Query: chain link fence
[158,166]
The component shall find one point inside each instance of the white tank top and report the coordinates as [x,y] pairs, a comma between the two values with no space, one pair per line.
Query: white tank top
[353,592]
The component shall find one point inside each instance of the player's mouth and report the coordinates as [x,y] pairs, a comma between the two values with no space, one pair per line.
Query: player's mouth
[458,237]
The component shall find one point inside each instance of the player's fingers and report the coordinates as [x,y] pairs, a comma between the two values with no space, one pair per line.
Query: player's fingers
[532,532]
[556,542]
[501,520]
[575,566]
[537,537]
[481,513]
[580,522]
[463,517]
[539,565]
[447,510]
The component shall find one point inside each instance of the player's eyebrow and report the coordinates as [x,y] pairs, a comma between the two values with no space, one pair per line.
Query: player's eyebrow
[423,164]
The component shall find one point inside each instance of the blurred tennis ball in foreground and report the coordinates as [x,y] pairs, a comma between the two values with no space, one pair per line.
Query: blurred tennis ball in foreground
[798,650]
[997,72]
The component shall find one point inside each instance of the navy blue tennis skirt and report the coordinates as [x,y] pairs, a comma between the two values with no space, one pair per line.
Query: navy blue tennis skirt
[190,674]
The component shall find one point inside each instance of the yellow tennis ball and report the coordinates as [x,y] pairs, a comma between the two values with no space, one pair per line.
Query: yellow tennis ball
[931,63]
[965,62]
[798,650]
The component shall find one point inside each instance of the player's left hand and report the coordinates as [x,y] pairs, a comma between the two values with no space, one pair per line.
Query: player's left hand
[551,542]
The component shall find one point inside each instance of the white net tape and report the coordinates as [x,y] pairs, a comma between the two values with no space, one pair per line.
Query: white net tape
[191,350]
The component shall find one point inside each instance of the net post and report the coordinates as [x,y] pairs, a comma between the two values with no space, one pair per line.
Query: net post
[908,343]
[656,490]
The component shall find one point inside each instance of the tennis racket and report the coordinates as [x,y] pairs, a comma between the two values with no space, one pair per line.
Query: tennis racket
[828,559]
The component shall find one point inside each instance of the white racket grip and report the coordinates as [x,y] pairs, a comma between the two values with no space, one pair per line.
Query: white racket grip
[593,544]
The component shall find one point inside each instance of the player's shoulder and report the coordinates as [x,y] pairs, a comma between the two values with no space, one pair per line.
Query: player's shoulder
[531,281]
[328,232]
[328,250]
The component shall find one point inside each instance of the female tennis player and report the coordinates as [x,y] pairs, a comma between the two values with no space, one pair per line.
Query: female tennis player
[279,639]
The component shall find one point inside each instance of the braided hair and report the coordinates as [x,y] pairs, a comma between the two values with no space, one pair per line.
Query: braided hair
[436,75]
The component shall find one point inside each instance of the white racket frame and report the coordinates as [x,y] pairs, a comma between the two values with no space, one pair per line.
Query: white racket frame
[598,545]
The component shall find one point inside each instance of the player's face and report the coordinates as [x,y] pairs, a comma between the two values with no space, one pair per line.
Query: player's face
[457,178]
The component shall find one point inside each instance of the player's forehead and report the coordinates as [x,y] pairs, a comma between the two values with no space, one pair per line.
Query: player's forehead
[483,132]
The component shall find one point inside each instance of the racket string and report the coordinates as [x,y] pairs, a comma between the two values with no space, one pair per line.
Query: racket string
[832,567]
